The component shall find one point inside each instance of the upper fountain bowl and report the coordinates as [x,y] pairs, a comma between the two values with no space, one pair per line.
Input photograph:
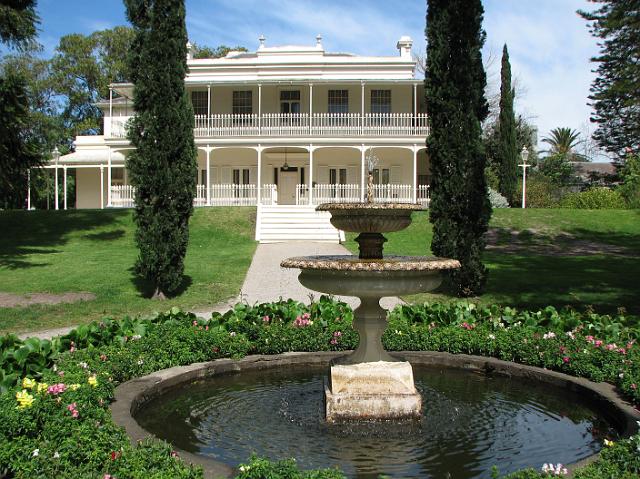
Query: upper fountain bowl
[370,217]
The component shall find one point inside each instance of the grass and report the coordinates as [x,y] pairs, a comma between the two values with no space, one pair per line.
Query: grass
[94,251]
[532,278]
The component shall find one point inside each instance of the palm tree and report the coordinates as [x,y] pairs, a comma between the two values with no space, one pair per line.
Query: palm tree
[562,141]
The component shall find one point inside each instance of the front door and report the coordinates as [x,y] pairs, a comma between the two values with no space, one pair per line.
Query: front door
[287,187]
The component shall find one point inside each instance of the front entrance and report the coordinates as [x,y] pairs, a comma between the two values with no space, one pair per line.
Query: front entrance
[287,182]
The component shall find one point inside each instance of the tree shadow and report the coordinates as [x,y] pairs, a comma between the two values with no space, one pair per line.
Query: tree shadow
[106,235]
[146,288]
[28,233]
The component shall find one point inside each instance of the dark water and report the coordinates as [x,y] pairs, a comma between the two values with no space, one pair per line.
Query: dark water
[471,422]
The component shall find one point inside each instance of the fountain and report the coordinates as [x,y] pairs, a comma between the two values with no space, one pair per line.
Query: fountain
[370,383]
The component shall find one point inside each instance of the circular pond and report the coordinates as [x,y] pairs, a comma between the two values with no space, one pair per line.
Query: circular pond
[471,422]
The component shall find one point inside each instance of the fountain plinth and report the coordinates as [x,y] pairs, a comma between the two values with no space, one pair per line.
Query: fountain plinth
[370,383]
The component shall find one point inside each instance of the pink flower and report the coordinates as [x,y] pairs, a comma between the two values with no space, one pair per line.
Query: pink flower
[174,454]
[597,343]
[103,357]
[334,341]
[566,359]
[611,347]
[301,322]
[589,339]
[72,409]
[56,389]
[108,476]
[622,351]
[195,323]
[265,319]
[467,326]
[61,373]
[337,334]
[634,386]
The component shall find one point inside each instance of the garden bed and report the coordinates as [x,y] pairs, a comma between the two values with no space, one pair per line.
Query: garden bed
[43,425]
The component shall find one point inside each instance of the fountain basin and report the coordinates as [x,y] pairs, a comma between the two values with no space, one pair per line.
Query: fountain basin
[134,396]
[370,217]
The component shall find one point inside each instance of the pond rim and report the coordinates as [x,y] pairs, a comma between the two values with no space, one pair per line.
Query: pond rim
[132,395]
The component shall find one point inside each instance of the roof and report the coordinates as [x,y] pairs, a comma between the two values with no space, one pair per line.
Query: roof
[585,168]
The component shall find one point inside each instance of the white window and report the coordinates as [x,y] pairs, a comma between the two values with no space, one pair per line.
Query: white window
[381,176]
[290,101]
[380,101]
[242,102]
[338,101]
[200,102]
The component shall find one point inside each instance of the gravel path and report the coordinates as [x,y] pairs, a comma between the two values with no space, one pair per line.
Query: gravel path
[266,281]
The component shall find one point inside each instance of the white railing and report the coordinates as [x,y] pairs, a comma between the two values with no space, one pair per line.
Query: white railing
[122,196]
[392,194]
[323,193]
[300,124]
[423,195]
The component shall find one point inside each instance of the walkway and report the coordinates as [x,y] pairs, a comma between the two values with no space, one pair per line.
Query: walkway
[266,281]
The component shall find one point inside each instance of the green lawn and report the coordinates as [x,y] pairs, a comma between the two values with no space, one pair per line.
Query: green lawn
[94,251]
[530,276]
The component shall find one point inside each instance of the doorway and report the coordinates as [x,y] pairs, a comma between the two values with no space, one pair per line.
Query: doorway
[287,181]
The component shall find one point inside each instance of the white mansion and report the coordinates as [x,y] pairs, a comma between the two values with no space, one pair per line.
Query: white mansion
[289,125]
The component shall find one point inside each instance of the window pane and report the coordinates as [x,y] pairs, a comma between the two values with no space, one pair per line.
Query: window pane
[242,102]
[380,101]
[332,176]
[199,102]
[343,176]
[385,176]
[338,101]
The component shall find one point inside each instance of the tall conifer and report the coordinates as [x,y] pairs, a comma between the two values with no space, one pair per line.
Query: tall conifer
[454,88]
[163,166]
[508,150]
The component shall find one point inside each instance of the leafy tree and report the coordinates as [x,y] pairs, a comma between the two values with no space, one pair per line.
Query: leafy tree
[563,141]
[454,90]
[557,168]
[217,52]
[508,152]
[18,151]
[615,92]
[163,165]
[18,20]
[630,176]
[82,69]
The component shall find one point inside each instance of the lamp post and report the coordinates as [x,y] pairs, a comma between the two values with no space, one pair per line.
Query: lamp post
[524,154]
[56,157]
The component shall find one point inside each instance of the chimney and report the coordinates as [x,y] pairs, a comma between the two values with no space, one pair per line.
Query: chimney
[189,54]
[404,45]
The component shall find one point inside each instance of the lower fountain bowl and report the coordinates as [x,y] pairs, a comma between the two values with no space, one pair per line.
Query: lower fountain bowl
[350,276]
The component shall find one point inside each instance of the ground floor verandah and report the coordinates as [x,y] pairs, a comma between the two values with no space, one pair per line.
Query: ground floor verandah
[252,175]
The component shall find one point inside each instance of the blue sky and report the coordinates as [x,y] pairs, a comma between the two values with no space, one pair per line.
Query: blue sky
[549,43]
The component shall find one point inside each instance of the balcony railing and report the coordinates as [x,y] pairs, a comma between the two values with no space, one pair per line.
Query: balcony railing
[300,125]
[323,193]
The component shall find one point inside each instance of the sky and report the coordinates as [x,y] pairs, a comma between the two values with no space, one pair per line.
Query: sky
[549,44]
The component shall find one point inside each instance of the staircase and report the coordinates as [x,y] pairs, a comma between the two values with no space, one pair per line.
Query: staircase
[281,223]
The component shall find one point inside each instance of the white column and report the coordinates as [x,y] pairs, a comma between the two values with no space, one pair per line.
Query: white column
[259,186]
[362,182]
[310,174]
[259,108]
[208,116]
[110,113]
[362,98]
[29,189]
[102,187]
[208,151]
[56,185]
[109,179]
[310,107]
[415,173]
[415,99]
[64,182]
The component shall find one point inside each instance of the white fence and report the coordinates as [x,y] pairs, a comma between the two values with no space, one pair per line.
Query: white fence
[424,195]
[221,195]
[122,196]
[326,193]
[300,124]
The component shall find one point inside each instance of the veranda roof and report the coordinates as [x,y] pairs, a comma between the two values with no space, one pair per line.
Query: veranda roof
[91,157]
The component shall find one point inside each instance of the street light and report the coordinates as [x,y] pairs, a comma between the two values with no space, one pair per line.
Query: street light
[524,154]
[56,157]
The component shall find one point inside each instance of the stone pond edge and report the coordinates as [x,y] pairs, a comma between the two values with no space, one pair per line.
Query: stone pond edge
[132,395]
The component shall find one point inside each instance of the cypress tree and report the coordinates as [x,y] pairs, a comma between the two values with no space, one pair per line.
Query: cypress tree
[454,88]
[163,166]
[508,150]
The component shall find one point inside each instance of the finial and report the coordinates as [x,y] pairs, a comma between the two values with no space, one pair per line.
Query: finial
[189,47]
[261,40]
[318,40]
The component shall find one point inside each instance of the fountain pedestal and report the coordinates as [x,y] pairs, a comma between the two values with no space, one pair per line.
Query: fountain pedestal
[369,383]
[377,390]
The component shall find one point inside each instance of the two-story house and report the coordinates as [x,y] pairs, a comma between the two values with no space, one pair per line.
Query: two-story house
[289,125]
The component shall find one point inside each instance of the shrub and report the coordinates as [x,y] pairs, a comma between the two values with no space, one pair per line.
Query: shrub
[497,200]
[594,199]
[541,192]
[630,175]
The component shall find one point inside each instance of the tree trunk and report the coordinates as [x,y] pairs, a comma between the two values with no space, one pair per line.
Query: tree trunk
[158,294]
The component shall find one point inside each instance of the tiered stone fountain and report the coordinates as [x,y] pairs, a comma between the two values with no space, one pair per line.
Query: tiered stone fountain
[370,383]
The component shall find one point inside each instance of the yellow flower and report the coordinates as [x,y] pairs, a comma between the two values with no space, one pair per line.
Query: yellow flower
[29,383]
[74,387]
[93,381]
[24,399]
[608,443]
[42,387]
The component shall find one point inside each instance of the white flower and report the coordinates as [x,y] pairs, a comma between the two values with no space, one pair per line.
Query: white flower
[140,362]
[549,335]
[621,375]
[83,365]
[492,336]
[135,337]
[35,453]
[56,455]
[232,333]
